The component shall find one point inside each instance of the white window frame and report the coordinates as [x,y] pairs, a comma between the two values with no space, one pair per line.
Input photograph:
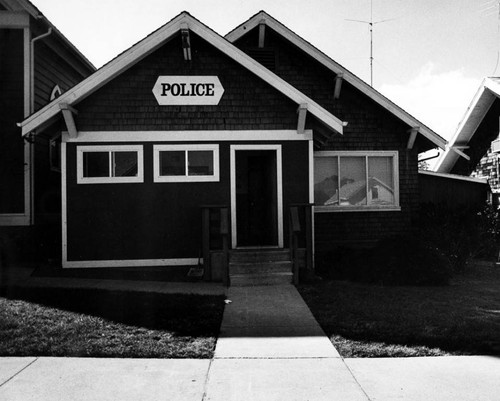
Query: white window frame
[215,177]
[110,148]
[368,208]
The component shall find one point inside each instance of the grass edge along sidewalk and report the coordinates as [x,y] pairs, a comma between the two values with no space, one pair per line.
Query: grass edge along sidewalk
[365,320]
[105,323]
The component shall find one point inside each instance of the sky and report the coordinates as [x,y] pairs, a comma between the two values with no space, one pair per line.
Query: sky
[430,56]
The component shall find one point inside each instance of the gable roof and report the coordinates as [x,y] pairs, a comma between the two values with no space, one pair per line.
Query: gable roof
[481,103]
[152,42]
[263,17]
[31,9]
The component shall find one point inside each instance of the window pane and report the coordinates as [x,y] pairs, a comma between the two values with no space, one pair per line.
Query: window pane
[381,181]
[201,162]
[125,164]
[96,164]
[352,181]
[173,162]
[325,180]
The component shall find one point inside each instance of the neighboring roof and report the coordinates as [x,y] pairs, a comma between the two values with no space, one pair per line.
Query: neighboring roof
[352,188]
[455,177]
[488,91]
[18,5]
[263,17]
[152,42]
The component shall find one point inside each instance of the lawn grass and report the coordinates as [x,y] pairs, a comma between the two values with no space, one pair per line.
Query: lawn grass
[99,323]
[374,321]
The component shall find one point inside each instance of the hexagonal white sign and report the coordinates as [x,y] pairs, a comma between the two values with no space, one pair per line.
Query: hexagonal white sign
[182,90]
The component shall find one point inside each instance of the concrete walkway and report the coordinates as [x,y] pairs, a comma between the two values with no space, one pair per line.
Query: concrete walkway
[272,348]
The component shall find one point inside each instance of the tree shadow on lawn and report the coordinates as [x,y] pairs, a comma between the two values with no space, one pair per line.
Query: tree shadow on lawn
[180,314]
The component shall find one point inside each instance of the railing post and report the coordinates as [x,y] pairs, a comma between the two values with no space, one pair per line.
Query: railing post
[309,237]
[205,241]
[294,242]
[224,230]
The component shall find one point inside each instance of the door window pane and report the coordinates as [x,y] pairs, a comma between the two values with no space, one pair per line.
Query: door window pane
[201,162]
[173,162]
[96,164]
[125,164]
[381,181]
[325,180]
[352,181]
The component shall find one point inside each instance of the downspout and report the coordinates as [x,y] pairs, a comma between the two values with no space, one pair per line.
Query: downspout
[32,67]
[32,110]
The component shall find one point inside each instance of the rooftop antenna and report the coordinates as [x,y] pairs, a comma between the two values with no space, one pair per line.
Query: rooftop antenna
[371,24]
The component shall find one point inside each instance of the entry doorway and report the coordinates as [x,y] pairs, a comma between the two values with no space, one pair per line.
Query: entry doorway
[256,196]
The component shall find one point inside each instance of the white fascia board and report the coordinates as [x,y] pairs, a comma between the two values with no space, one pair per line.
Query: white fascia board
[474,115]
[337,69]
[103,75]
[151,43]
[266,75]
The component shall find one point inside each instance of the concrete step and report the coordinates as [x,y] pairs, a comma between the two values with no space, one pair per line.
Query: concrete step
[259,255]
[242,280]
[260,268]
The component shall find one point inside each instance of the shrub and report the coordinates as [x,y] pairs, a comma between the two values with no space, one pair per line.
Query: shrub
[407,260]
[397,260]
[460,233]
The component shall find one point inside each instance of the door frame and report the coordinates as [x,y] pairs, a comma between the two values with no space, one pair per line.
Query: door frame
[279,189]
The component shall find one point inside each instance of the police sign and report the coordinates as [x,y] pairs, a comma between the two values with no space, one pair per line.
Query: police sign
[181,90]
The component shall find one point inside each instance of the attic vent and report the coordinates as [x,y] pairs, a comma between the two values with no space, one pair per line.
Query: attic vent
[266,57]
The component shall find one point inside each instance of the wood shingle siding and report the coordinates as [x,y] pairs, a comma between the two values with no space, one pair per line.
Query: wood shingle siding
[370,127]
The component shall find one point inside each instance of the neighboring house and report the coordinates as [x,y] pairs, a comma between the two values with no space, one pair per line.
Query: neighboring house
[37,64]
[474,148]
[187,120]
[354,193]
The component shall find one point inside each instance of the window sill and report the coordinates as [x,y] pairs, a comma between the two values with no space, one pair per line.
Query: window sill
[343,209]
[194,178]
[109,180]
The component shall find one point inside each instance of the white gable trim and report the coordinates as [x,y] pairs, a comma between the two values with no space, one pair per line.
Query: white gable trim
[481,103]
[150,44]
[337,69]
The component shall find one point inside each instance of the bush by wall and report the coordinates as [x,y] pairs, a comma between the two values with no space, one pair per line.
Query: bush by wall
[460,233]
[397,260]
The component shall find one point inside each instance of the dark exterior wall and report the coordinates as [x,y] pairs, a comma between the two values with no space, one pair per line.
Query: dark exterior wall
[50,70]
[451,192]
[127,103]
[370,127]
[158,220]
[11,112]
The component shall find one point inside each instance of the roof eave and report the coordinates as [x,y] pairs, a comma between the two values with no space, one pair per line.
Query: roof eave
[151,43]
[476,111]
[348,76]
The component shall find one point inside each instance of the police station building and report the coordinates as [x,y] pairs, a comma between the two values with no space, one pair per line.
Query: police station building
[250,149]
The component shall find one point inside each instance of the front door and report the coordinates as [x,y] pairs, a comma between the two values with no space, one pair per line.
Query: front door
[256,196]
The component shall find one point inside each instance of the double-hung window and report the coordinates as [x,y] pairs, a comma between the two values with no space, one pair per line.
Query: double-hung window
[186,163]
[353,181]
[110,164]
